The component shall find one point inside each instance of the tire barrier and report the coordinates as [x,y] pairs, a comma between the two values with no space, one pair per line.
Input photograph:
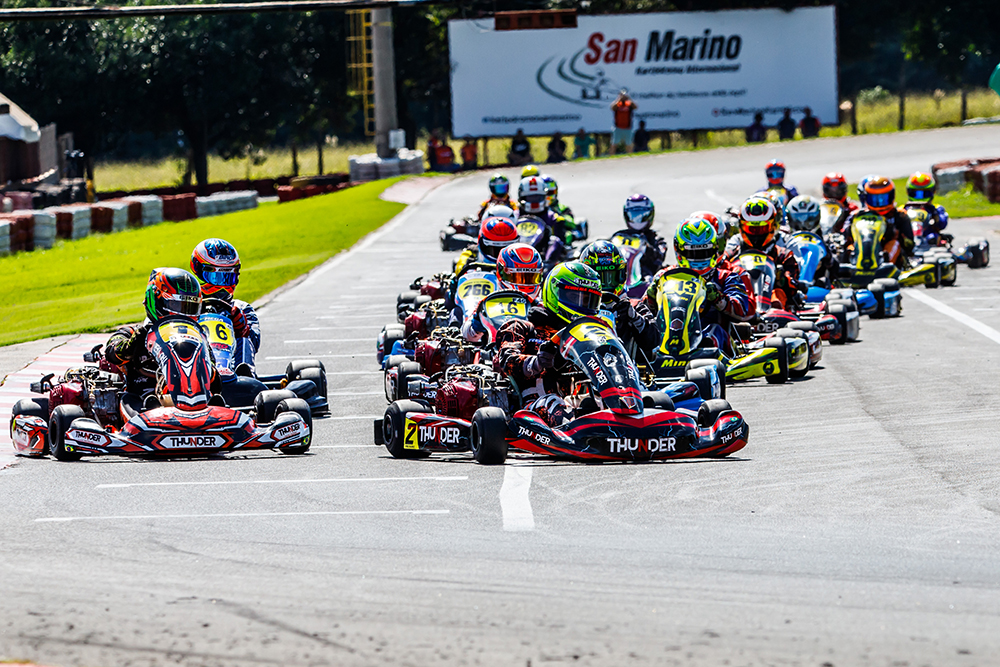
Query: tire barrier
[226,202]
[17,232]
[72,222]
[151,208]
[45,229]
[180,207]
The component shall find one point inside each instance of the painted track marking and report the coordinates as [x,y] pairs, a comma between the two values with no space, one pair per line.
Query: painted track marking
[514,501]
[329,480]
[328,340]
[959,317]
[232,515]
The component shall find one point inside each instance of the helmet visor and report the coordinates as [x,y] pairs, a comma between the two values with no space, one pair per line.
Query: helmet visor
[835,190]
[879,200]
[500,188]
[522,277]
[637,217]
[612,279]
[221,277]
[182,304]
[580,300]
[775,174]
[920,194]
[697,253]
[535,198]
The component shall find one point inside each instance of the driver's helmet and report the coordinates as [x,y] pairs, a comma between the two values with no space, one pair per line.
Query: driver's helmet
[835,186]
[639,212]
[720,225]
[495,234]
[862,196]
[696,245]
[920,188]
[775,171]
[216,264]
[172,292]
[759,222]
[803,214]
[606,259]
[572,290]
[779,200]
[500,211]
[880,195]
[529,170]
[551,190]
[499,186]
[531,195]
[519,267]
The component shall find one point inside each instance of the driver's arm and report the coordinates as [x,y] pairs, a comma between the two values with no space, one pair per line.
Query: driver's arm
[735,300]
[120,348]
[514,355]
[249,327]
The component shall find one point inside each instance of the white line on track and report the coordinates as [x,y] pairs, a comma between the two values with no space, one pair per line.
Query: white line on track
[330,480]
[354,317]
[342,446]
[319,356]
[364,327]
[328,340]
[959,317]
[67,519]
[355,372]
[514,501]
[350,417]
[722,200]
[355,393]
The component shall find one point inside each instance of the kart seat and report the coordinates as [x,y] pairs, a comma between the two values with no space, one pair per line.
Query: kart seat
[131,405]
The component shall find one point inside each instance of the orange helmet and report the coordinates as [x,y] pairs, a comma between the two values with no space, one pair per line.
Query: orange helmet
[759,221]
[880,195]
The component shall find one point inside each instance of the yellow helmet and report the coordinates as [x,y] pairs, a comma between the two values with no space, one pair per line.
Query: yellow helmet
[529,170]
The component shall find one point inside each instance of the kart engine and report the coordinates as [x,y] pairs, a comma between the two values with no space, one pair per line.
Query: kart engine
[465,389]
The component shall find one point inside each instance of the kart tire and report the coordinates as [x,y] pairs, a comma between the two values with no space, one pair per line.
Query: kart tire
[266,403]
[318,377]
[849,306]
[781,376]
[394,425]
[709,411]
[702,379]
[406,297]
[421,300]
[393,333]
[60,421]
[786,332]
[302,408]
[30,407]
[888,284]
[489,436]
[801,326]
[978,258]
[840,312]
[403,373]
[657,400]
[936,282]
[294,369]
[720,369]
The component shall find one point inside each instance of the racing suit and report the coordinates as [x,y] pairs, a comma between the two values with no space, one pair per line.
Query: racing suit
[729,300]
[786,283]
[898,242]
[937,219]
[789,191]
[557,234]
[246,326]
[496,201]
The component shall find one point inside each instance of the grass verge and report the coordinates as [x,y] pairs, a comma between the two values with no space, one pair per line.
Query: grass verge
[96,283]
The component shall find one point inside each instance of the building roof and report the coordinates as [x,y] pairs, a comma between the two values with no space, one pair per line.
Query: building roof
[18,124]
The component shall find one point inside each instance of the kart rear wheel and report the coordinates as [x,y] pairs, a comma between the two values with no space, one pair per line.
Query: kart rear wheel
[787,332]
[394,428]
[657,400]
[936,280]
[979,253]
[300,407]
[781,376]
[266,404]
[840,312]
[294,369]
[702,378]
[801,326]
[888,284]
[489,436]
[30,407]
[318,377]
[392,334]
[720,370]
[709,411]
[60,421]
[403,373]
[849,306]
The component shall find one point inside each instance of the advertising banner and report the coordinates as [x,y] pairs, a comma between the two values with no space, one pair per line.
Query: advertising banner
[684,71]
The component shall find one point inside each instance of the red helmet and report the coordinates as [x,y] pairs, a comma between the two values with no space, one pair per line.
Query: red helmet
[835,186]
[519,267]
[494,235]
[775,171]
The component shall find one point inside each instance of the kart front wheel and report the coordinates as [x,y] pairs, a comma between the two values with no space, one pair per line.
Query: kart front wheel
[710,411]
[30,407]
[403,373]
[302,409]
[781,376]
[265,405]
[60,421]
[394,429]
[720,371]
[489,436]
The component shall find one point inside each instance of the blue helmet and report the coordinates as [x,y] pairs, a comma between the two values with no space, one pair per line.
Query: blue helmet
[216,264]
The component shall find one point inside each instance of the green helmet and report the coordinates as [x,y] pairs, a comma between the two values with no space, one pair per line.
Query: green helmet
[605,258]
[572,290]
[172,292]
[696,245]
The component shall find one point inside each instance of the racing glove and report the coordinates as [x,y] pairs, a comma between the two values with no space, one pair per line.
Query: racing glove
[240,326]
[715,296]
[625,312]
[545,359]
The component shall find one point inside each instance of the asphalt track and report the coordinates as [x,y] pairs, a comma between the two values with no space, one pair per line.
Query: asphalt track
[859,527]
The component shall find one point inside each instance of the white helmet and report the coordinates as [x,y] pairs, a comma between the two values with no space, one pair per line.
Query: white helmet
[531,195]
[500,211]
[803,214]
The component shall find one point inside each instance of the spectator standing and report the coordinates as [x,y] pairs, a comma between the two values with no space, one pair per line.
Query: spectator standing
[581,144]
[433,143]
[446,158]
[470,155]
[786,126]
[640,140]
[756,132]
[623,108]
[520,150]
[557,149]
[809,125]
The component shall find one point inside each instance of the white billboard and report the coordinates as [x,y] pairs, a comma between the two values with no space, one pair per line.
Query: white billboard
[684,70]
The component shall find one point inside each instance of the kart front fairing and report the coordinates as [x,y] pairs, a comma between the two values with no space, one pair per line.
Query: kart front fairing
[763,276]
[500,307]
[632,246]
[809,252]
[831,214]
[591,345]
[472,287]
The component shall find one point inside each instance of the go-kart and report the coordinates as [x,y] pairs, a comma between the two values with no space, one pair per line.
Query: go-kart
[459,234]
[929,247]
[612,418]
[305,378]
[84,413]
[446,347]
[865,262]
[810,251]
[831,215]
[680,296]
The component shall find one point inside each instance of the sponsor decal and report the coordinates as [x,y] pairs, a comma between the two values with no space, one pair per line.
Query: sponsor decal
[410,440]
[87,436]
[592,364]
[651,445]
[446,435]
[191,441]
[767,327]
[288,431]
[729,437]
[537,437]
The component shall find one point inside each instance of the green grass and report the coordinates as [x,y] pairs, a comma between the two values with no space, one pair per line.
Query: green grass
[98,282]
[963,203]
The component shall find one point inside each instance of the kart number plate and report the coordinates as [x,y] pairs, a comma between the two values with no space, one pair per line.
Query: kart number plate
[410,430]
[218,330]
[506,308]
[182,330]
[528,229]
[591,331]
[476,287]
[627,241]
[680,287]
